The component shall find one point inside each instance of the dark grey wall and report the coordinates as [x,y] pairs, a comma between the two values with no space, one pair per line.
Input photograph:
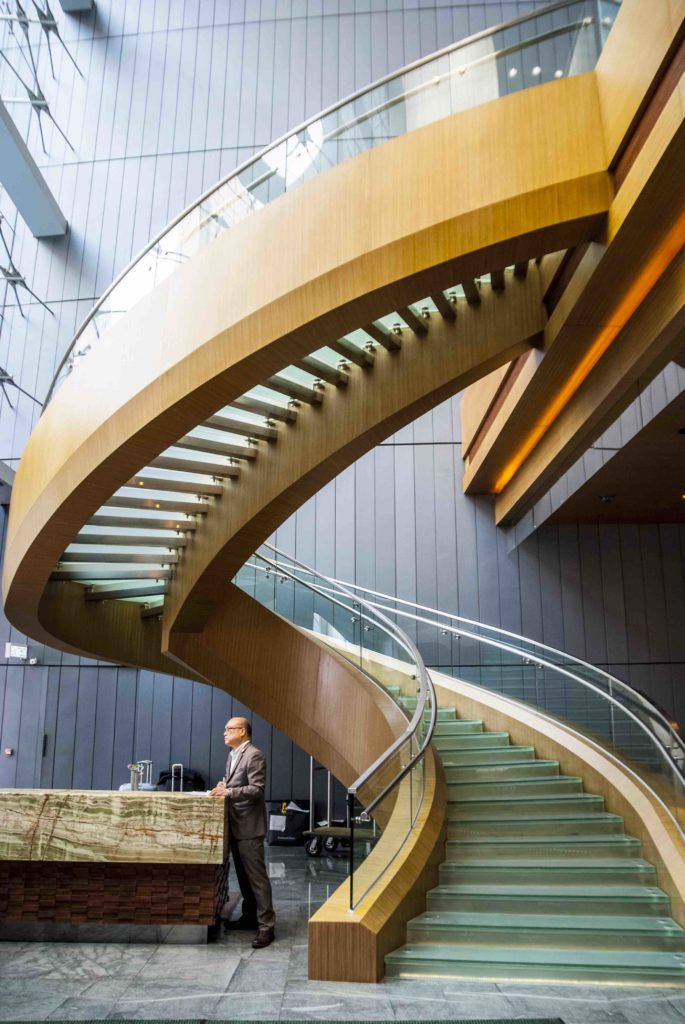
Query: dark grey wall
[398,522]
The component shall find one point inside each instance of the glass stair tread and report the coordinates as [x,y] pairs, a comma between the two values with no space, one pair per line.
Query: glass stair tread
[502,842]
[531,829]
[507,954]
[569,890]
[534,962]
[501,772]
[541,798]
[469,741]
[488,756]
[542,863]
[499,789]
[457,726]
[453,919]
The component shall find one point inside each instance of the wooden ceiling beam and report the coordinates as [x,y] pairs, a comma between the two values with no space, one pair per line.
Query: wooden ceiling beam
[471,291]
[446,309]
[390,341]
[649,340]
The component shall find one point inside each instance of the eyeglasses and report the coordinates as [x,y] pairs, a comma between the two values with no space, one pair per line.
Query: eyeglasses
[231,728]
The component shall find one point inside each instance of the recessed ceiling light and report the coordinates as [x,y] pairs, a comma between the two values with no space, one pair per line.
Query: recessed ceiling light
[537,70]
[513,72]
[558,73]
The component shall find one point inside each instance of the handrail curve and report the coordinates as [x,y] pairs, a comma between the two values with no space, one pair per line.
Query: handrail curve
[426,692]
[649,708]
[417,735]
[541,662]
[292,134]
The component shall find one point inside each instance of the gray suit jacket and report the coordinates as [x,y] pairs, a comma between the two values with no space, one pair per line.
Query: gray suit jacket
[246,782]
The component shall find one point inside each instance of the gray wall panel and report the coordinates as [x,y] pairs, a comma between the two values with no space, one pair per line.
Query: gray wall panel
[105,720]
[11,692]
[65,728]
[124,724]
[84,735]
[201,729]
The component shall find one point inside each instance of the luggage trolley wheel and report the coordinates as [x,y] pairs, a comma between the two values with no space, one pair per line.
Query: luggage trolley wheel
[313,846]
[330,844]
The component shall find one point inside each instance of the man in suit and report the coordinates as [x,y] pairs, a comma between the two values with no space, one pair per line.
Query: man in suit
[243,784]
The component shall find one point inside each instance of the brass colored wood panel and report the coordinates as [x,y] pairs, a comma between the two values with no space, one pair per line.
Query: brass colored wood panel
[211,331]
[476,404]
[645,228]
[92,825]
[349,945]
[478,469]
[651,338]
[375,405]
[316,697]
[624,84]
[326,705]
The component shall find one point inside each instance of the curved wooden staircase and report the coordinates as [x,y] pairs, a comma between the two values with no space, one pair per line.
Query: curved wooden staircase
[298,333]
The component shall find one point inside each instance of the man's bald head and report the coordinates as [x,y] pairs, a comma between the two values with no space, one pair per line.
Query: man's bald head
[236,731]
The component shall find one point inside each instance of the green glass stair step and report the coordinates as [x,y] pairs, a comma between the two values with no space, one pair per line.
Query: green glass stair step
[487,756]
[589,870]
[510,848]
[459,791]
[501,772]
[469,741]
[612,931]
[445,714]
[556,805]
[536,963]
[560,898]
[457,727]
[597,823]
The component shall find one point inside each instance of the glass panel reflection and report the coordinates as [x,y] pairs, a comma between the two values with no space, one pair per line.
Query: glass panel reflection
[534,49]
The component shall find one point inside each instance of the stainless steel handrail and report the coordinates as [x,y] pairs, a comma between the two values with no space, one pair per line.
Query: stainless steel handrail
[598,746]
[426,687]
[613,681]
[541,662]
[236,172]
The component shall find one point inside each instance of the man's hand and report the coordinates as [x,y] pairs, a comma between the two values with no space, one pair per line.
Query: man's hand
[221,789]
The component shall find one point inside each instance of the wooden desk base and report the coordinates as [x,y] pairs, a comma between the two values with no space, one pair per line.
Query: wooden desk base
[111,893]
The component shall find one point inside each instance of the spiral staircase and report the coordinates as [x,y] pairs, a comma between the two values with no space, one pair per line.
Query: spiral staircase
[356,273]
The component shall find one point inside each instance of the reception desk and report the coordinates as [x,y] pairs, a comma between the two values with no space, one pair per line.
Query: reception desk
[73,862]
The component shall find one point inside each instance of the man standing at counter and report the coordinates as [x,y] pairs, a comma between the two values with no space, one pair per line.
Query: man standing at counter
[244,784]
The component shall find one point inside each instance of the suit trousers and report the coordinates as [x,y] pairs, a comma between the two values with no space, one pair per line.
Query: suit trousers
[255,887]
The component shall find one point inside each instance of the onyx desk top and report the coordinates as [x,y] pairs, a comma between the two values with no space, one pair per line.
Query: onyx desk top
[101,825]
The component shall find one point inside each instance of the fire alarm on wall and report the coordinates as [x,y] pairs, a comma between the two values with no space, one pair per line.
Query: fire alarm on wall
[20,651]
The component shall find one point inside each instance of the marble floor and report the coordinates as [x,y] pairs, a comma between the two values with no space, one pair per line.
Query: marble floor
[229,980]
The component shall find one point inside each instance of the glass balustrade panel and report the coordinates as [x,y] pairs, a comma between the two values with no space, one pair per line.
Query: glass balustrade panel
[532,51]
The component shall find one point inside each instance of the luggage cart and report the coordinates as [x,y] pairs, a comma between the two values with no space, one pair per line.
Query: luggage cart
[336,834]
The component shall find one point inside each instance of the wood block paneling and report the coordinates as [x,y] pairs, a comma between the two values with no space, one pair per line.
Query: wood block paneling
[69,893]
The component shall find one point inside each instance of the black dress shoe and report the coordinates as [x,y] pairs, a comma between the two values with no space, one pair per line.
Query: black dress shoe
[242,923]
[263,938]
